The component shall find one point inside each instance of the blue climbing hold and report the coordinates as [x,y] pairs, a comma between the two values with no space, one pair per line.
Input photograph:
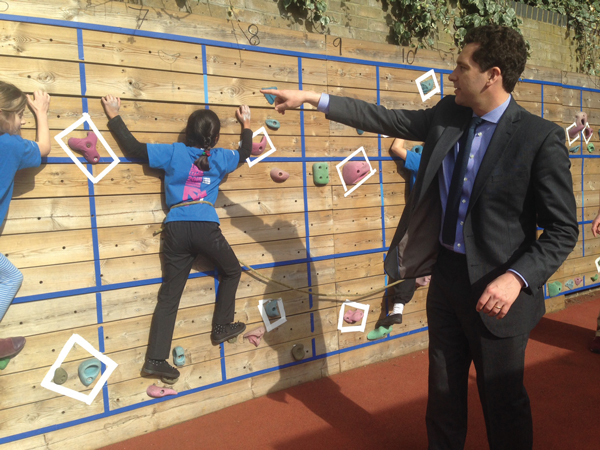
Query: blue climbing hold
[574,149]
[418,149]
[273,124]
[427,86]
[272,308]
[359,131]
[270,97]
[88,371]
[178,356]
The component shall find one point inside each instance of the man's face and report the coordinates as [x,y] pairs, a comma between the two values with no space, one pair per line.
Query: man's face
[469,81]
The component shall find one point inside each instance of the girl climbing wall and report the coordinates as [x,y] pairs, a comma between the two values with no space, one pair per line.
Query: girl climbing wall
[17,153]
[193,171]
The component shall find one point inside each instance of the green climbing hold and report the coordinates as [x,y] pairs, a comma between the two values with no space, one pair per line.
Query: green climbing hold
[554,288]
[379,333]
[569,284]
[4,363]
[590,147]
[594,277]
[574,149]
[320,173]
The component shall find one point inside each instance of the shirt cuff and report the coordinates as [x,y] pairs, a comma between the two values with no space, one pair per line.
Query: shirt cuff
[520,276]
[323,105]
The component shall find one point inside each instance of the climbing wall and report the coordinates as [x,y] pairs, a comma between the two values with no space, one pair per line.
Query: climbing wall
[89,252]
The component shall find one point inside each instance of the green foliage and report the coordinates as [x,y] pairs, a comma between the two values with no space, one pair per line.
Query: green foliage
[314,9]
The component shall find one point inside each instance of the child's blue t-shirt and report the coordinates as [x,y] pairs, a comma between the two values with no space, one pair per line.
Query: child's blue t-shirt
[185,182]
[16,153]
[413,160]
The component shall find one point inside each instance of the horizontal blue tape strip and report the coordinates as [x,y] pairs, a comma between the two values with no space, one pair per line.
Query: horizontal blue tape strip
[114,412]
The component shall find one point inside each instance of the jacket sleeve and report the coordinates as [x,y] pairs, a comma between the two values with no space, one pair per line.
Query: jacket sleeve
[246,146]
[130,146]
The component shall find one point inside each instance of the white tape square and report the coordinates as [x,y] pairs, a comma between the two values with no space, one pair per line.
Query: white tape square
[363,324]
[339,169]
[268,325]
[271,150]
[89,398]
[571,142]
[86,118]
[587,141]
[435,90]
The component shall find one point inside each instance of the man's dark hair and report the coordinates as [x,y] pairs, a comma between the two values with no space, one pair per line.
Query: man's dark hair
[500,47]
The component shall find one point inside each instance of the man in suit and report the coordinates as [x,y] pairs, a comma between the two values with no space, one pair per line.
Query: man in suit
[474,229]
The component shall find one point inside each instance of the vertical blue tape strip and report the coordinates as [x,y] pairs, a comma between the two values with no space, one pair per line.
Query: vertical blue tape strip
[205,76]
[312,322]
[80,44]
[582,183]
[314,347]
[103,368]
[222,346]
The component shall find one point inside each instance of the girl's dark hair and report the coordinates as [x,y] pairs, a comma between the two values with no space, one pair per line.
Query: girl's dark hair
[202,131]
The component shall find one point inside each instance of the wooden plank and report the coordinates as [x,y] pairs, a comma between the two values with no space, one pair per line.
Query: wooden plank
[38,41]
[351,75]
[57,278]
[51,180]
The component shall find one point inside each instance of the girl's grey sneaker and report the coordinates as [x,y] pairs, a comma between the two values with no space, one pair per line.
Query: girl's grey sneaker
[222,333]
[161,368]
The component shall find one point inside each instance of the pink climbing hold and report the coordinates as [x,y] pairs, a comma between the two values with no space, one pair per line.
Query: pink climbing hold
[258,148]
[354,171]
[155,391]
[578,280]
[254,336]
[580,123]
[353,316]
[279,175]
[86,146]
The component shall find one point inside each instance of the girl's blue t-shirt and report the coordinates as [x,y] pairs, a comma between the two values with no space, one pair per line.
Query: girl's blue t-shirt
[185,182]
[16,153]
[412,163]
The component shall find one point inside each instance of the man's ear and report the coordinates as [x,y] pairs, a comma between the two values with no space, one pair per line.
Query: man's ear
[494,75]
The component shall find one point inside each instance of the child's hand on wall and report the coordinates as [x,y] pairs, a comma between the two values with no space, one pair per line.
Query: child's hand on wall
[39,103]
[243,115]
[111,105]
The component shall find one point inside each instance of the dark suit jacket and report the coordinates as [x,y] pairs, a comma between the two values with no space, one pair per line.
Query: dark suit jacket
[524,180]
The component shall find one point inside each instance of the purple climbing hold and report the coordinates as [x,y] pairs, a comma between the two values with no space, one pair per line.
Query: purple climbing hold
[279,175]
[259,147]
[354,171]
[87,147]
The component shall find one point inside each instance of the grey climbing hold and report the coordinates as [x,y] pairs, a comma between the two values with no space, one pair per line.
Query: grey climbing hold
[272,308]
[298,352]
[60,376]
[273,124]
[88,371]
[178,356]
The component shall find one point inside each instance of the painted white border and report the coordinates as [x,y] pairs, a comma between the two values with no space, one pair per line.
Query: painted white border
[339,166]
[268,325]
[271,150]
[587,141]
[431,93]
[88,399]
[571,142]
[598,264]
[362,326]
[86,118]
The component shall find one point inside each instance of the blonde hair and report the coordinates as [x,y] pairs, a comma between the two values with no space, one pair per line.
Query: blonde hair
[12,101]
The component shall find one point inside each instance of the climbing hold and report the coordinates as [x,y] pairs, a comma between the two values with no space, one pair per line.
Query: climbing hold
[594,277]
[298,352]
[581,118]
[554,288]
[155,391]
[360,131]
[3,363]
[272,308]
[259,147]
[588,133]
[320,173]
[254,336]
[569,284]
[354,171]
[578,281]
[574,149]
[88,371]
[418,149]
[427,86]
[87,147]
[273,124]
[233,340]
[379,333]
[279,175]
[590,147]
[353,316]
[178,356]
[60,376]
[270,97]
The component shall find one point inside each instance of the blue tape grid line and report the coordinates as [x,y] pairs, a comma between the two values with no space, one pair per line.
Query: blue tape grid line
[226,45]
[116,411]
[205,76]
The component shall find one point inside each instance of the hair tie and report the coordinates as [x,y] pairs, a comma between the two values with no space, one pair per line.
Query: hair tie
[207,152]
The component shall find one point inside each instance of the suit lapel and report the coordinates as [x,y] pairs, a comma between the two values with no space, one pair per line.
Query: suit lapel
[502,136]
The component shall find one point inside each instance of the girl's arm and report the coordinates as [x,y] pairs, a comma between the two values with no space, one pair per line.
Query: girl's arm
[398,149]
[39,104]
[130,146]
[243,115]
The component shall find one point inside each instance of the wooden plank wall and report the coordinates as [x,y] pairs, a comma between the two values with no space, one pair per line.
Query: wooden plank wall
[92,265]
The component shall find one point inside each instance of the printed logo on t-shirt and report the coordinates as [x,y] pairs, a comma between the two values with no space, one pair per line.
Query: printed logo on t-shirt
[192,189]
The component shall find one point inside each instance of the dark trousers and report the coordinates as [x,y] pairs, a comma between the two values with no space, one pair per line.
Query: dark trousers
[183,242]
[403,292]
[457,337]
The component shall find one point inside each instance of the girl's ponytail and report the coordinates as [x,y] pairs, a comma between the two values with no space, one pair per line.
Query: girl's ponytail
[202,132]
